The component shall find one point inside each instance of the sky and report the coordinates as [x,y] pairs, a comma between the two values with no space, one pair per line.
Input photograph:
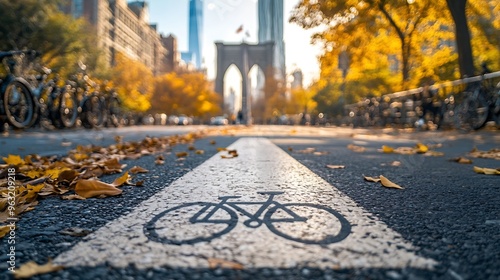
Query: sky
[221,20]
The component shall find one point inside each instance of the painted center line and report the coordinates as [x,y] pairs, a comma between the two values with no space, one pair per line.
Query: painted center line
[260,209]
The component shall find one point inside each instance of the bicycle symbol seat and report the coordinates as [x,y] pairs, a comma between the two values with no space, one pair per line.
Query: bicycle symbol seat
[196,222]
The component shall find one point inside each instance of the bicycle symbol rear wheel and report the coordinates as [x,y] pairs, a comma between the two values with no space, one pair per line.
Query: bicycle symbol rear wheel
[191,223]
[317,225]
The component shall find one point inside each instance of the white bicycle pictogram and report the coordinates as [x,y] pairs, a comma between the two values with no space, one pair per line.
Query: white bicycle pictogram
[196,222]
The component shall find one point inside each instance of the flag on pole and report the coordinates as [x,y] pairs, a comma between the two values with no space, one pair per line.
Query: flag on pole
[239,29]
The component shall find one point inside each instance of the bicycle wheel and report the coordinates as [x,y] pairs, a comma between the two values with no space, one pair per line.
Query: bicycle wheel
[316,224]
[92,112]
[114,114]
[472,112]
[18,103]
[66,110]
[191,223]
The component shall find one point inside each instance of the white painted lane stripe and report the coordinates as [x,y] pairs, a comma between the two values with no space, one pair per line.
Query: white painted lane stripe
[171,229]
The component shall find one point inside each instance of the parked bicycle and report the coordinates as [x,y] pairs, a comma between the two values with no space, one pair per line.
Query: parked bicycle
[480,103]
[112,108]
[91,108]
[56,106]
[196,222]
[17,105]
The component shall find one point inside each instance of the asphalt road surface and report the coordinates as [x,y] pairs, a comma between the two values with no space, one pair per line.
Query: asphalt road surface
[293,204]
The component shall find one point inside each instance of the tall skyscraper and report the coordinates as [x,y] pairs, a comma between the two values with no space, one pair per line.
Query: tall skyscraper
[271,29]
[195,32]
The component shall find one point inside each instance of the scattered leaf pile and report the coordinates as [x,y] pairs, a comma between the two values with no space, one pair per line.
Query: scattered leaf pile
[75,176]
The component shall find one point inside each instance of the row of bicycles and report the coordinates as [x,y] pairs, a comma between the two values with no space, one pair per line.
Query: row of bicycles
[473,103]
[31,98]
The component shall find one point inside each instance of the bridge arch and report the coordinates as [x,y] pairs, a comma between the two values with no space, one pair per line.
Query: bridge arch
[244,56]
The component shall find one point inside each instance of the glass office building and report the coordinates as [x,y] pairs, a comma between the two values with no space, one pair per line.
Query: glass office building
[270,15]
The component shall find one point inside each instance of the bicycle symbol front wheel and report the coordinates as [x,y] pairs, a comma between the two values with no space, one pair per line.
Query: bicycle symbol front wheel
[307,223]
[191,223]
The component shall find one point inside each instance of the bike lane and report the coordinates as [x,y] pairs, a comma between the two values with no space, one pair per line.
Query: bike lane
[170,229]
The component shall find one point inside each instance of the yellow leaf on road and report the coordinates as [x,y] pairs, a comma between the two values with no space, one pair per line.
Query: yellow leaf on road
[487,171]
[121,180]
[13,160]
[93,188]
[388,184]
[421,148]
[31,268]
[387,149]
[461,160]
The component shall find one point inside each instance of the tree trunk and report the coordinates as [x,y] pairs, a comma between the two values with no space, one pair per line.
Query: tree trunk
[462,37]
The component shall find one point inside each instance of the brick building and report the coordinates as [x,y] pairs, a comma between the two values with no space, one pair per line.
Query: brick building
[123,27]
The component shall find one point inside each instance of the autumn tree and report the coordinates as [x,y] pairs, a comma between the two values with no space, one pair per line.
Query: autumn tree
[186,93]
[352,25]
[62,40]
[301,100]
[134,83]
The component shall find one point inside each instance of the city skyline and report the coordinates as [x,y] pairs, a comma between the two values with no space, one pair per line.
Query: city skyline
[221,20]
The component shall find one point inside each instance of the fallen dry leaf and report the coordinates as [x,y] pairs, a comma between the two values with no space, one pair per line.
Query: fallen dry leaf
[4,230]
[371,179]
[335,166]
[388,184]
[72,197]
[31,268]
[13,160]
[120,181]
[220,263]
[486,171]
[462,160]
[387,149]
[137,169]
[181,154]
[421,148]
[491,154]
[94,188]
[232,154]
[199,152]
[396,163]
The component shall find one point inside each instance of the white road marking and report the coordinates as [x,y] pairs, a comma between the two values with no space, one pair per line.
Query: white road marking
[142,237]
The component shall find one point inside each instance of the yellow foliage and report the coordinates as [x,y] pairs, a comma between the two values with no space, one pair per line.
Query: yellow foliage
[185,93]
[134,82]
